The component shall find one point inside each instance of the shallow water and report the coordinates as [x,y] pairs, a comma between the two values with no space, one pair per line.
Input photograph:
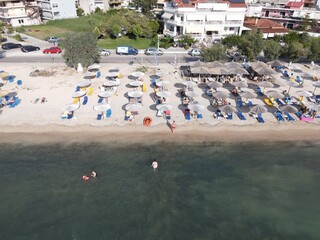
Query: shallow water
[205,191]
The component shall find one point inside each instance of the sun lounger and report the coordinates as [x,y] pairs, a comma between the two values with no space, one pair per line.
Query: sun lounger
[229,116]
[259,118]
[15,103]
[78,89]
[99,116]
[299,80]
[100,100]
[279,116]
[199,116]
[285,73]
[108,113]
[299,114]
[19,82]
[98,74]
[70,115]
[64,115]
[241,116]
[288,117]
[75,101]
[239,103]
[85,100]
[278,101]
[90,92]
[37,100]
[259,92]
[187,114]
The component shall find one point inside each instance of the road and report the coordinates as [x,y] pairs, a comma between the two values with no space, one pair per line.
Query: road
[15,56]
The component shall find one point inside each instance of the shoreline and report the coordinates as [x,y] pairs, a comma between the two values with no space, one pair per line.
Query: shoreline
[27,134]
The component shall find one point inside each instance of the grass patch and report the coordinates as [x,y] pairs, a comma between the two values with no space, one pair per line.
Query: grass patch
[141,43]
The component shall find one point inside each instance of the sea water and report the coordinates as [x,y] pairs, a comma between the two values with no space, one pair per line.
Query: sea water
[201,191]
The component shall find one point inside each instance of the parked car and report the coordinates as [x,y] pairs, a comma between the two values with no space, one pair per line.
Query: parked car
[29,48]
[104,52]
[8,46]
[52,50]
[53,39]
[152,51]
[127,50]
[195,52]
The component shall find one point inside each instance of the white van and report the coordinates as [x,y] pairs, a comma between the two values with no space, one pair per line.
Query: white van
[195,52]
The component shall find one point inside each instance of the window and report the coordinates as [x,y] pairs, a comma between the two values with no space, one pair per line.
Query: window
[56,14]
[21,21]
[55,5]
[231,29]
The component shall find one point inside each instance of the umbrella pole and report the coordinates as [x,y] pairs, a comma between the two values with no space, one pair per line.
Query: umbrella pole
[314,91]
[289,89]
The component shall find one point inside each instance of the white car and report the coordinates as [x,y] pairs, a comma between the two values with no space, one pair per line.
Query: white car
[195,52]
[152,51]
[104,52]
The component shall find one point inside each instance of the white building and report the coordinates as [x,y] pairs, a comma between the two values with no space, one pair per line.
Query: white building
[19,13]
[57,9]
[204,20]
[91,5]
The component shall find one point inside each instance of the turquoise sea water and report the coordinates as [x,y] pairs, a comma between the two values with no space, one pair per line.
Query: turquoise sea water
[206,191]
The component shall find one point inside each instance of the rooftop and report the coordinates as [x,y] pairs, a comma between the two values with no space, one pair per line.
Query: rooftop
[266,25]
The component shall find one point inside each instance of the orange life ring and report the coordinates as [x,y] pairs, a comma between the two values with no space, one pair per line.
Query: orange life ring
[85,177]
[147,121]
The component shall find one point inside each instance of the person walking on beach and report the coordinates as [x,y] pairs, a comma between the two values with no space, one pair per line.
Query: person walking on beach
[173,126]
[154,164]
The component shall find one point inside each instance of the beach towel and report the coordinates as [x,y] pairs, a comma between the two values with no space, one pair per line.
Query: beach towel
[85,100]
[90,91]
[108,113]
[241,116]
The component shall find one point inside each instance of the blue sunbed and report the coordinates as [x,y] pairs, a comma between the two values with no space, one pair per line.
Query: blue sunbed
[279,116]
[259,91]
[70,115]
[98,74]
[85,100]
[78,89]
[241,116]
[188,116]
[199,115]
[299,114]
[99,116]
[15,103]
[289,117]
[229,116]
[259,118]
[108,113]
[285,73]
[299,80]
[100,100]
[279,102]
[239,103]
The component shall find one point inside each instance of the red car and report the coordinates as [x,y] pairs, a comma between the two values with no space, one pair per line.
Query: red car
[52,50]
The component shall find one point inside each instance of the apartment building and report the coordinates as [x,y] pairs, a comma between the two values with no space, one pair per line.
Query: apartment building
[91,5]
[290,15]
[19,13]
[204,20]
[57,9]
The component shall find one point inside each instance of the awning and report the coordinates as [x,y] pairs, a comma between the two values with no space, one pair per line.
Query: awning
[195,29]
[167,15]
[216,17]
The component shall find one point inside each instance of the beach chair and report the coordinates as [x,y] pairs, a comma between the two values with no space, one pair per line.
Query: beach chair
[11,79]
[279,116]
[144,87]
[259,91]
[199,116]
[78,89]
[100,100]
[187,114]
[259,118]
[278,101]
[99,116]
[285,73]
[299,80]
[90,91]
[85,100]
[15,103]
[239,103]
[299,114]
[249,104]
[241,116]
[64,115]
[98,74]
[229,116]
[75,101]
[288,117]
[218,114]
[70,115]
[19,82]
[108,113]
[167,114]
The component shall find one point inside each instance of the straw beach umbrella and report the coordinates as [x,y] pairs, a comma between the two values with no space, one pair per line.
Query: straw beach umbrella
[85,83]
[240,84]
[105,94]
[110,83]
[259,109]
[214,84]
[274,94]
[198,64]
[135,83]
[220,95]
[291,84]
[200,70]
[163,94]
[192,94]
[288,109]
[3,93]
[228,109]
[266,84]
[79,94]
[276,63]
[133,107]
[196,107]
[304,93]
[102,107]
[72,107]
[90,75]
[189,84]
[135,94]
[162,83]
[164,107]
[215,64]
[137,74]
[247,94]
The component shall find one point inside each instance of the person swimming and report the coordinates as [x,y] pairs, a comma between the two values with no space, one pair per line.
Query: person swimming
[154,164]
[93,174]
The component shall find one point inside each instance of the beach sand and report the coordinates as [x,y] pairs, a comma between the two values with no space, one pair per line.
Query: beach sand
[32,122]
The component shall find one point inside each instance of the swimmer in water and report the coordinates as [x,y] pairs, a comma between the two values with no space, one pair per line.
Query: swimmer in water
[154,164]
[93,174]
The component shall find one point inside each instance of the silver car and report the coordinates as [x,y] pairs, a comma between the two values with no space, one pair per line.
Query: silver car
[152,51]
[104,52]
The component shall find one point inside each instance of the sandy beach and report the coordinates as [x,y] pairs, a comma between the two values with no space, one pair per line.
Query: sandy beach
[38,122]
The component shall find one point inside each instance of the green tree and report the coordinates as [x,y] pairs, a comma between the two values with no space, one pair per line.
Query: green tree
[145,5]
[98,11]
[116,30]
[314,50]
[305,24]
[80,12]
[187,41]
[231,41]
[251,44]
[96,32]
[81,48]
[137,31]
[214,53]
[291,37]
[272,50]
[295,50]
